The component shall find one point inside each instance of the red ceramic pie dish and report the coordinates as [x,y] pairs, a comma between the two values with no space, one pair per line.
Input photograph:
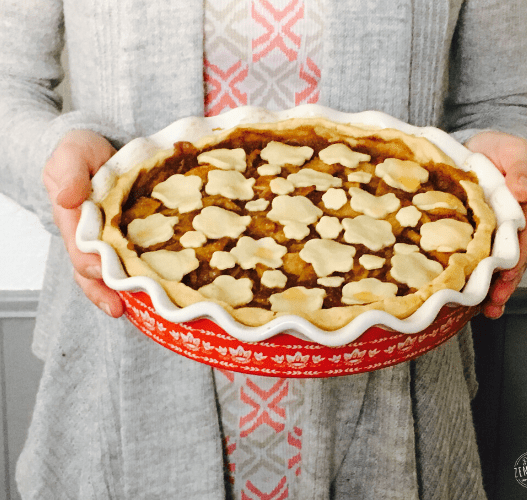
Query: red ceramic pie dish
[290,346]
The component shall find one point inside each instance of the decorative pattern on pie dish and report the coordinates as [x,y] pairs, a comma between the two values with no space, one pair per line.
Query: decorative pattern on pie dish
[316,218]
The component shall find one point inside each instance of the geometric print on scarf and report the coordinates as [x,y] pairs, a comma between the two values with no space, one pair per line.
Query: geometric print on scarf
[264,53]
[261,52]
[262,424]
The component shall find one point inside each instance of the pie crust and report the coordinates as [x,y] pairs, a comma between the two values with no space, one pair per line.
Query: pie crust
[366,191]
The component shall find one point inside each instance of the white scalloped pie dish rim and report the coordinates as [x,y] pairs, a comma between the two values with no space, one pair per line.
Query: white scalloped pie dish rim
[505,253]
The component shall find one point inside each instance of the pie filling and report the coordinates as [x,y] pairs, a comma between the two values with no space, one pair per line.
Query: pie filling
[306,217]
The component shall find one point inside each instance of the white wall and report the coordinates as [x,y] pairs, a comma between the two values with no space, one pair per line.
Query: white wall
[23,248]
[23,241]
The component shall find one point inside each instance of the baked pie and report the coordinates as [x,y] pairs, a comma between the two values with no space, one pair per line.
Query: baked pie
[304,216]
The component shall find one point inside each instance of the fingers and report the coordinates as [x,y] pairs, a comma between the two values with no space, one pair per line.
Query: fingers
[507,281]
[105,299]
[88,265]
[509,154]
[67,177]
[499,294]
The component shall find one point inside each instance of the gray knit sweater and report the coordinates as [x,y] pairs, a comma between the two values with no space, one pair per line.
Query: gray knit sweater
[117,416]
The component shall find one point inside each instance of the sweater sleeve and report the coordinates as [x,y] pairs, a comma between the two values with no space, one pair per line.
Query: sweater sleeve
[31,123]
[488,74]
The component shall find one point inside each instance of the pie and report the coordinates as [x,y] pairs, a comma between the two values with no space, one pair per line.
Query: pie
[303,216]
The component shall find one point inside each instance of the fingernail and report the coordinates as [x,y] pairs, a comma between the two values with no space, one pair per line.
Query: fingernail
[494,311]
[63,197]
[106,308]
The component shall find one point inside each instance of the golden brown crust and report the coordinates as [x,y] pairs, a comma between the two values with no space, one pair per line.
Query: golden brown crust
[459,267]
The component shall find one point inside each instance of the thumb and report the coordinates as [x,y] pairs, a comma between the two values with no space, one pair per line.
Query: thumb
[516,180]
[67,174]
[73,187]
[509,154]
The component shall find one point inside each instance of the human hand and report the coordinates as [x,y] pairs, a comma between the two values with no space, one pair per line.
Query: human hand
[67,177]
[509,154]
